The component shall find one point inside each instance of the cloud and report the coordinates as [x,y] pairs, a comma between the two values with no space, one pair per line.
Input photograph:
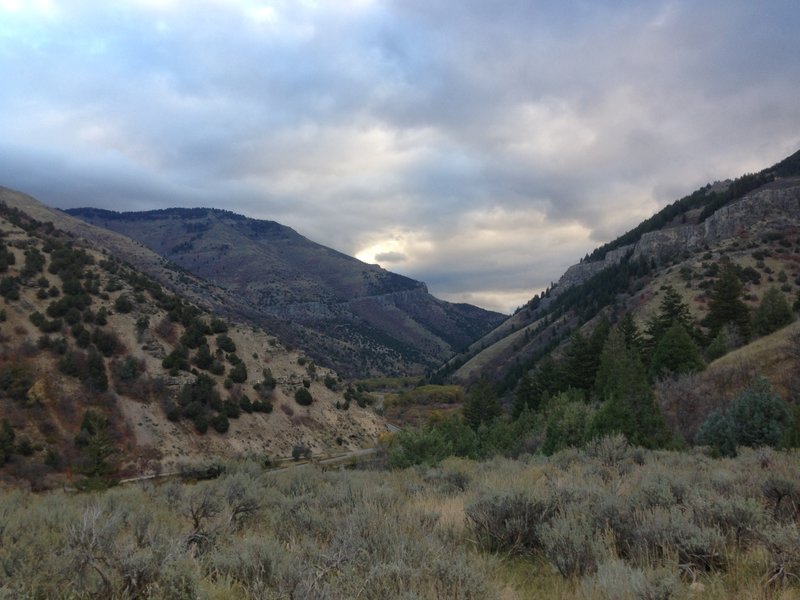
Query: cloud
[480,147]
[390,257]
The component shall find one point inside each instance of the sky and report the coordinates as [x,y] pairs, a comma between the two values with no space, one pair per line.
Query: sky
[479,146]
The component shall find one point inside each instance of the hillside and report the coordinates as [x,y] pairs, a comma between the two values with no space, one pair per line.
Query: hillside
[105,373]
[752,221]
[358,318]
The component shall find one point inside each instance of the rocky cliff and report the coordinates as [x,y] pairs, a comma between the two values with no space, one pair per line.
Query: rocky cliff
[773,207]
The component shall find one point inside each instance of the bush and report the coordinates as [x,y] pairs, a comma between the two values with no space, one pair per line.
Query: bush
[201,422]
[123,304]
[300,451]
[718,432]
[303,397]
[571,545]
[759,415]
[238,374]
[509,522]
[220,423]
[225,343]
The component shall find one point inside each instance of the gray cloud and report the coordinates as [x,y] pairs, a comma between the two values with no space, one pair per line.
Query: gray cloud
[390,257]
[481,147]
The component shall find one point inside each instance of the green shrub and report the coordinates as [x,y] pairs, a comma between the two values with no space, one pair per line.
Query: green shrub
[225,343]
[718,432]
[303,397]
[238,374]
[759,415]
[123,304]
[220,423]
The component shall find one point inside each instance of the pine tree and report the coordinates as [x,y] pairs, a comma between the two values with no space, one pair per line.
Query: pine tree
[482,405]
[580,363]
[675,353]
[525,396]
[671,310]
[630,332]
[628,403]
[726,305]
[773,312]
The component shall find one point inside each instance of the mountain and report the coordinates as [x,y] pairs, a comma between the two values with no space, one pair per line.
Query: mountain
[355,317]
[106,372]
[752,221]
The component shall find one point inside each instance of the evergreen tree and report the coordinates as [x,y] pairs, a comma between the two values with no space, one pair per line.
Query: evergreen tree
[726,305]
[675,353]
[671,310]
[580,365]
[773,312]
[630,332]
[96,378]
[526,396]
[534,389]
[628,403]
[482,405]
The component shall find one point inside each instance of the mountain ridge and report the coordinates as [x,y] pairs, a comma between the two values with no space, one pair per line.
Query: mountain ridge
[771,207]
[359,318]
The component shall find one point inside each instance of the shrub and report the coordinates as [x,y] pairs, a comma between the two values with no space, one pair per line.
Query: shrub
[238,374]
[571,545]
[123,304]
[759,416]
[218,326]
[225,343]
[303,397]
[200,421]
[300,451]
[783,545]
[220,423]
[718,432]
[508,522]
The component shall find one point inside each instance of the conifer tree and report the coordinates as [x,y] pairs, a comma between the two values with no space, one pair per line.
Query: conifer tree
[773,312]
[675,353]
[580,363]
[628,403]
[671,310]
[482,405]
[726,305]
[630,332]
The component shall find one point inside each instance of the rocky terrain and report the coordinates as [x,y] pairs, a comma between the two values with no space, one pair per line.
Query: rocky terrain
[764,219]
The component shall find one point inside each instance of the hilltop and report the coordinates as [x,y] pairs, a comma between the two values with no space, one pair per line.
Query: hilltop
[355,317]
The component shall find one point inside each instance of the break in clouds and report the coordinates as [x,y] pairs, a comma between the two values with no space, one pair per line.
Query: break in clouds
[479,146]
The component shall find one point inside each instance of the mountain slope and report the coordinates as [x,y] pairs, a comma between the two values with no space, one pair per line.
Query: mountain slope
[754,214]
[104,372]
[359,318]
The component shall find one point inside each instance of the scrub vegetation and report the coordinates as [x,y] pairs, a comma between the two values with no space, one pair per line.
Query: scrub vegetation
[609,521]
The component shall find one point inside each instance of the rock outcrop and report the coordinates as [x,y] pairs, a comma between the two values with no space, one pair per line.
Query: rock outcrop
[774,207]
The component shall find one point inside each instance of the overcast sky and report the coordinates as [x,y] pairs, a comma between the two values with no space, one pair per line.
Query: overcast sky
[480,146]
